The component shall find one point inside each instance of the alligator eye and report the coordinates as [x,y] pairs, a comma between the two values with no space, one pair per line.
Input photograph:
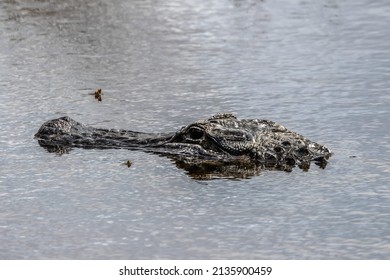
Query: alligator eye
[195,133]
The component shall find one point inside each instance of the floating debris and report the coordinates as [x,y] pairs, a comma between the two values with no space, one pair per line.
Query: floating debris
[127,163]
[98,94]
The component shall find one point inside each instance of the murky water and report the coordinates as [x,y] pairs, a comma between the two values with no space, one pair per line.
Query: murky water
[321,68]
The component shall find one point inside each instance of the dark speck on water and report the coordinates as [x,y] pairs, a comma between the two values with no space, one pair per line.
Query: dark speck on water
[319,67]
[98,94]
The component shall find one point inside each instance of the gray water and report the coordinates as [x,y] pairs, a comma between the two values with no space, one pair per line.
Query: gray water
[321,68]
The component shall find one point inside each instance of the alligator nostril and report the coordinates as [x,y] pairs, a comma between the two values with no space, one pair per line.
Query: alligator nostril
[195,133]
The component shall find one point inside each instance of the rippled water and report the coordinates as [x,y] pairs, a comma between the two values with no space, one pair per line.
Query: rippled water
[321,68]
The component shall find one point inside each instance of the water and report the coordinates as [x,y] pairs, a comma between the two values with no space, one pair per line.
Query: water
[321,68]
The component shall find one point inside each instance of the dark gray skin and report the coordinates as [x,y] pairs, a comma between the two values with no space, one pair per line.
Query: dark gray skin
[222,146]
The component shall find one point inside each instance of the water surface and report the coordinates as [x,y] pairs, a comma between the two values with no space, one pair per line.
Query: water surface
[321,68]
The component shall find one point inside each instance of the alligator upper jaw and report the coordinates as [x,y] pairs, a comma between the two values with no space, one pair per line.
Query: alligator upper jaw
[161,144]
[92,138]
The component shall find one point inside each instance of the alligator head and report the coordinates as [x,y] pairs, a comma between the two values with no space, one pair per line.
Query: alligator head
[221,146]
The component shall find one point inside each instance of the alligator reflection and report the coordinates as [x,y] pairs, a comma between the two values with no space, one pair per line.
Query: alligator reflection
[219,147]
[213,169]
[239,170]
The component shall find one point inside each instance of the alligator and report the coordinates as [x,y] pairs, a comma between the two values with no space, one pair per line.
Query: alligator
[221,146]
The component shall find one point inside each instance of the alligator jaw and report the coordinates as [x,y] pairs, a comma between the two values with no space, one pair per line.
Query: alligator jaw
[67,133]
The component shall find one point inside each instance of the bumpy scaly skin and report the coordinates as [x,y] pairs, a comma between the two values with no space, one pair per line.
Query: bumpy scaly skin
[221,138]
[262,140]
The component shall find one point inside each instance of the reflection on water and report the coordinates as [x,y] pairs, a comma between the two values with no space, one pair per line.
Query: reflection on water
[319,67]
